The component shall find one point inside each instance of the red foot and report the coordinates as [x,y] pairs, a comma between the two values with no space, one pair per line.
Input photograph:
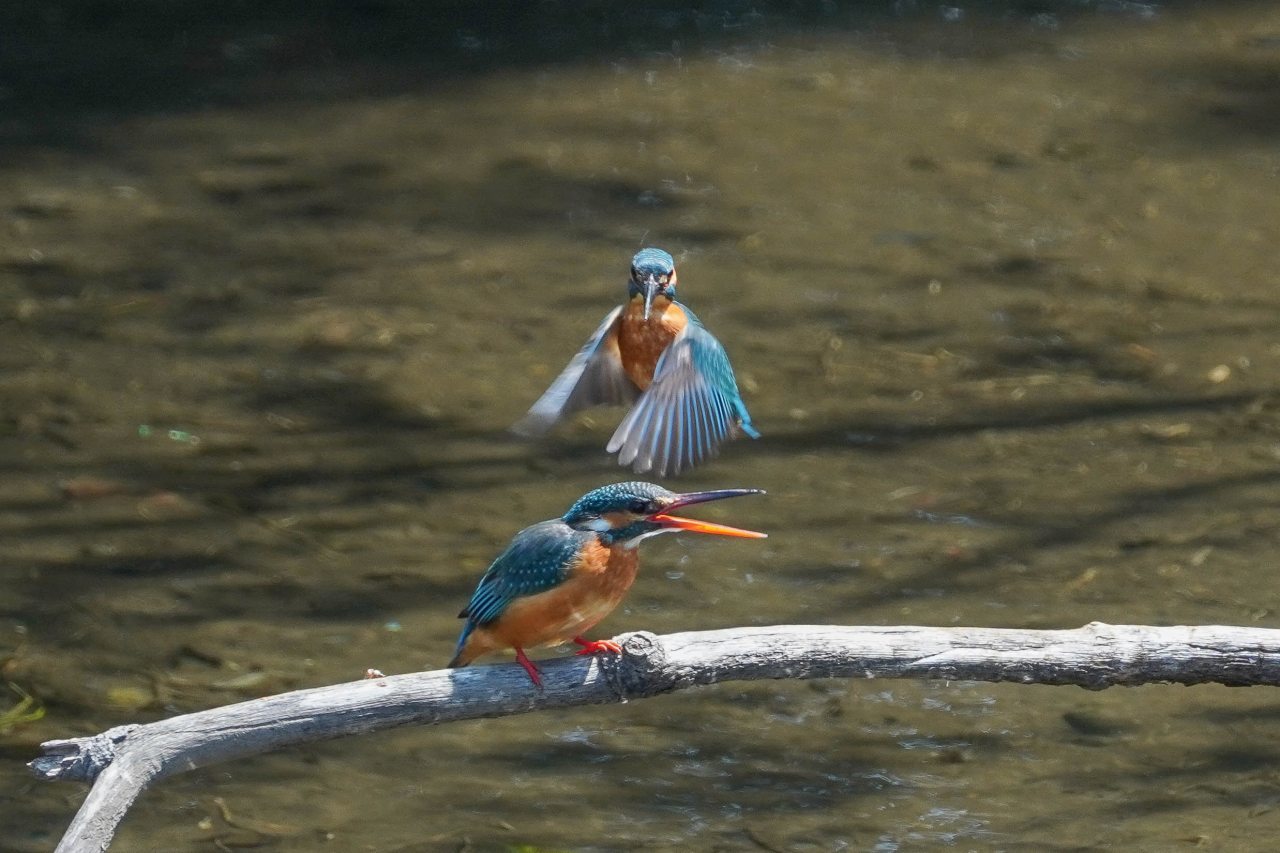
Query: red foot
[595,647]
[534,675]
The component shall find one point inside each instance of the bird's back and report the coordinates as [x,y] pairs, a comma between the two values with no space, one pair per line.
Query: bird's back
[552,583]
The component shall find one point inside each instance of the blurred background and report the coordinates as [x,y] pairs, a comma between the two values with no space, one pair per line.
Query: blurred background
[999,280]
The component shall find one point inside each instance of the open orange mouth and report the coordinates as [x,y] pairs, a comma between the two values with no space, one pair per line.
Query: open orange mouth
[675,522]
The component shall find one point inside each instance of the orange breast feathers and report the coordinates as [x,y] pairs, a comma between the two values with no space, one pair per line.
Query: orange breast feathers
[598,581]
[641,342]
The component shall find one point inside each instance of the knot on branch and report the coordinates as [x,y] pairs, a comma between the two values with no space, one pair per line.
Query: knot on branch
[641,670]
[79,759]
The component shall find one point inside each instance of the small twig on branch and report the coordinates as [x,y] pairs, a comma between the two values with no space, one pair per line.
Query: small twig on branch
[123,761]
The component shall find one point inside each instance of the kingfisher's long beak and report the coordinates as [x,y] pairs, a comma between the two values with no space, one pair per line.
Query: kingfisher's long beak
[650,291]
[675,522]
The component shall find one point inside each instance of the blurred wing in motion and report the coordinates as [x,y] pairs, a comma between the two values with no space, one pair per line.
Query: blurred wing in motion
[692,406]
[594,376]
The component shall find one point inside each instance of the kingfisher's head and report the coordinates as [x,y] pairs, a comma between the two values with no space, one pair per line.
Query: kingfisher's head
[653,274]
[626,513]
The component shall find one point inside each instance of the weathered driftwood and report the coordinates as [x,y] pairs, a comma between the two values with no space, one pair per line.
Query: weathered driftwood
[123,761]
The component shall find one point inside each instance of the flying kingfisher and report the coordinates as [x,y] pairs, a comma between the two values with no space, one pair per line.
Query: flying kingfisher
[651,351]
[558,578]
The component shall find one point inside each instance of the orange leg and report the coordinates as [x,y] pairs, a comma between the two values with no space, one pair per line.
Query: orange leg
[534,675]
[595,647]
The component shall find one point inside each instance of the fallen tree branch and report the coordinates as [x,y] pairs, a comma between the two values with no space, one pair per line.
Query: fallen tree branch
[124,761]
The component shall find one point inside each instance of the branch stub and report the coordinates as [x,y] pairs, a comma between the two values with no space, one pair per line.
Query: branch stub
[79,759]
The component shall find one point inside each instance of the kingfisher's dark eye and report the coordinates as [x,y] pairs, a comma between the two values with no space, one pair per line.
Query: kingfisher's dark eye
[639,506]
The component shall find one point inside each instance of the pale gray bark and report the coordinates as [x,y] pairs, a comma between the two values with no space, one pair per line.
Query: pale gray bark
[126,759]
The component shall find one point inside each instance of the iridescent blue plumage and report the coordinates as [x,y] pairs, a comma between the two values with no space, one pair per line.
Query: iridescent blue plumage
[633,498]
[653,351]
[558,578]
[538,559]
[649,268]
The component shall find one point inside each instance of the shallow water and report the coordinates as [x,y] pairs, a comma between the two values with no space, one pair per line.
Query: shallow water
[1000,284]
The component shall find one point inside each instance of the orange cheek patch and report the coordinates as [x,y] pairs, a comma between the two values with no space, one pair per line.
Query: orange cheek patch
[616,520]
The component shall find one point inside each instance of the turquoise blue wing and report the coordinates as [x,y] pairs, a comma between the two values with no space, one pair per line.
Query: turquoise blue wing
[691,408]
[538,559]
[594,376]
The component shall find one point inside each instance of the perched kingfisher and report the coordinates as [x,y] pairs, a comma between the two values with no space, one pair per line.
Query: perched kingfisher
[651,351]
[558,578]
